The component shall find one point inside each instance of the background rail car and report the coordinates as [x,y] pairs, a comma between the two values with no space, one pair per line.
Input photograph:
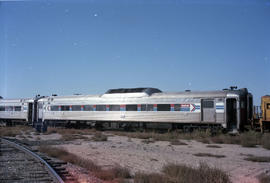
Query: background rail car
[261,114]
[19,111]
[229,108]
[15,110]
[265,119]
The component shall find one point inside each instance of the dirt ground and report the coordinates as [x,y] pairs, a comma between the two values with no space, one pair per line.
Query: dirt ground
[139,156]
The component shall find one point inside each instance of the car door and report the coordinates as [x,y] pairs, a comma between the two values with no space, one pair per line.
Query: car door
[208,110]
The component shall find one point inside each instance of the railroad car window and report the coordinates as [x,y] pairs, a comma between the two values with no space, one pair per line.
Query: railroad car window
[131,107]
[76,108]
[150,107]
[143,107]
[88,108]
[176,107]
[18,108]
[64,108]
[208,104]
[101,107]
[268,106]
[114,107]
[163,107]
[40,105]
[2,108]
[9,108]
[54,108]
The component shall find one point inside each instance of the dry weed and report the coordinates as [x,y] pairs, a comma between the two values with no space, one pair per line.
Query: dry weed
[174,173]
[117,172]
[178,142]
[99,136]
[264,178]
[213,146]
[14,131]
[259,159]
[265,141]
[209,155]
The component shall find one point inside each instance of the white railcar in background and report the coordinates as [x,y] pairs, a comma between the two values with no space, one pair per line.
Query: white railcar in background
[15,110]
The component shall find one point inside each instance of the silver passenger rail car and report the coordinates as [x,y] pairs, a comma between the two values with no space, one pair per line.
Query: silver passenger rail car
[14,111]
[228,108]
[19,111]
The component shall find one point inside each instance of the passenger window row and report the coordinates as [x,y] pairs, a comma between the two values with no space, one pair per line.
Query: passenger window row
[128,107]
[10,108]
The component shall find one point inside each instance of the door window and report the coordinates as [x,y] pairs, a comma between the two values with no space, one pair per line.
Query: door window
[208,104]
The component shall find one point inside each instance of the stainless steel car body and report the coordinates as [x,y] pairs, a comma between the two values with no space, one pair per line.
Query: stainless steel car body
[227,108]
[10,112]
[194,101]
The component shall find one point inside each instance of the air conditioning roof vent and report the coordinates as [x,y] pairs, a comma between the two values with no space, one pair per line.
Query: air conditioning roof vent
[149,91]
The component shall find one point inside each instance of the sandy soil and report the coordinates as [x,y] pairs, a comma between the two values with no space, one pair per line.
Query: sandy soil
[141,157]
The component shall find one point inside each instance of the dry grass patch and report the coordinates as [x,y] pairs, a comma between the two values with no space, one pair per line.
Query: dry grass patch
[174,173]
[148,141]
[70,134]
[14,131]
[209,155]
[266,141]
[50,130]
[225,139]
[213,146]
[150,178]
[139,135]
[169,136]
[116,173]
[204,173]
[70,131]
[99,137]
[203,136]
[260,159]
[178,142]
[264,178]
[247,139]
[70,137]
[121,172]
[69,157]
[204,140]
[110,174]
[250,139]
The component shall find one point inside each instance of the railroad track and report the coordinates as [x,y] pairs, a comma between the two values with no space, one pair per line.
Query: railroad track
[19,164]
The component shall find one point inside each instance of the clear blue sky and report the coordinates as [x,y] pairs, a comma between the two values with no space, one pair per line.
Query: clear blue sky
[87,47]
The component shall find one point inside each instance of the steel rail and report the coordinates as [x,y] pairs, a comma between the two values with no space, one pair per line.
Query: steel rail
[51,170]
